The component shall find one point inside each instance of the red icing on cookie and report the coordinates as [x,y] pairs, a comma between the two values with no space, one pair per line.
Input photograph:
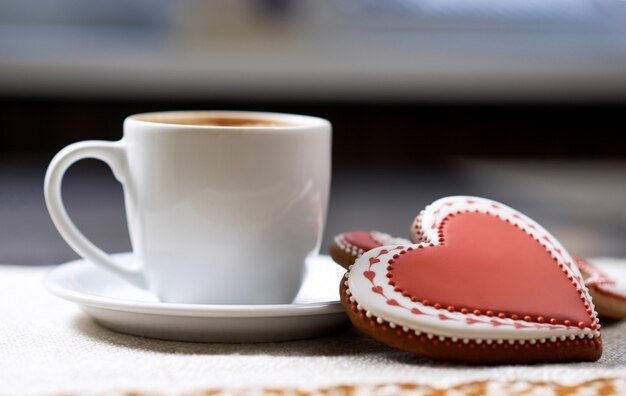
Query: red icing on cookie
[489,264]
[361,239]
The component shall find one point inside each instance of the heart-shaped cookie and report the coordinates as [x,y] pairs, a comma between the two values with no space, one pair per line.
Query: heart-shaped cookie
[486,280]
[604,277]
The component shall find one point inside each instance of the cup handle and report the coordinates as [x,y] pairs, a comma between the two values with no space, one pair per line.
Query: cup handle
[114,155]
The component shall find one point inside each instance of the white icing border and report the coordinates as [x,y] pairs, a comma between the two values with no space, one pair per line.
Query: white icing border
[380,237]
[609,276]
[386,239]
[359,288]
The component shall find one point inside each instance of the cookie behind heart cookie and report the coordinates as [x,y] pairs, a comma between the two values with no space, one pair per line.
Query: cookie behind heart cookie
[608,289]
[487,285]
[349,246]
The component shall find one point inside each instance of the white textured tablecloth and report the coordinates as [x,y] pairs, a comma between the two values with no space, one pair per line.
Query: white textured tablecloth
[48,346]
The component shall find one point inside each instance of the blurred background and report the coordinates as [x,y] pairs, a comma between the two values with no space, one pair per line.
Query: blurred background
[521,101]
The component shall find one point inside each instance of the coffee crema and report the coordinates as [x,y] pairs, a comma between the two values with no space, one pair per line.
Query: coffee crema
[217,120]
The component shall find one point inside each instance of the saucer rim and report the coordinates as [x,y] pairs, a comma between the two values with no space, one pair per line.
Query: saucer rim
[190,310]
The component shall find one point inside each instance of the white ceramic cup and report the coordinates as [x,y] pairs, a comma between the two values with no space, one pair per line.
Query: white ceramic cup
[216,214]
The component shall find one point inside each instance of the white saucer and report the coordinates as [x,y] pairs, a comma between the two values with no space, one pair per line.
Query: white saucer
[122,307]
